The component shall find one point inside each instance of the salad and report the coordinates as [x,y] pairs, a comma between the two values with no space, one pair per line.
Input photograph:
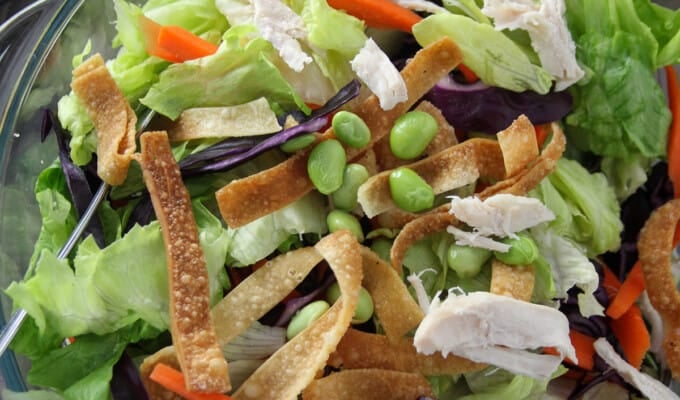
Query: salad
[370,199]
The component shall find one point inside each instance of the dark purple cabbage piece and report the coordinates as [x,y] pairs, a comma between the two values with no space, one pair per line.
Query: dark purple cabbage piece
[481,108]
[76,178]
[126,384]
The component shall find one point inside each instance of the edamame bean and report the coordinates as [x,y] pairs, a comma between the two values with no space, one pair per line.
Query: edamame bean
[523,251]
[350,129]
[411,133]
[298,143]
[305,316]
[339,219]
[382,247]
[409,191]
[364,310]
[326,166]
[346,197]
[467,261]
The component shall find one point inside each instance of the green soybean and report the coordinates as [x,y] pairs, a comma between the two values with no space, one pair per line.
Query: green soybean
[523,251]
[298,143]
[467,261]
[339,219]
[364,310]
[346,196]
[326,166]
[350,129]
[411,133]
[409,191]
[382,247]
[305,316]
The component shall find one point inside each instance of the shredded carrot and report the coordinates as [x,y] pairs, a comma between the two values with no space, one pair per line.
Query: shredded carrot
[674,133]
[610,283]
[379,13]
[631,288]
[469,74]
[173,380]
[541,134]
[585,350]
[632,334]
[174,43]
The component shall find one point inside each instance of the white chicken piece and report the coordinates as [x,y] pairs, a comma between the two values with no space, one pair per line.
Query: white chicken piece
[376,70]
[421,5]
[501,215]
[281,26]
[498,330]
[547,28]
[650,387]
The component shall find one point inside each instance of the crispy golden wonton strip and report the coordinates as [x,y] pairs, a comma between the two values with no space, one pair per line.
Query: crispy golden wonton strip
[261,291]
[359,349]
[244,200]
[113,118]
[288,371]
[515,281]
[655,247]
[450,169]
[519,184]
[398,312]
[519,145]
[193,336]
[369,384]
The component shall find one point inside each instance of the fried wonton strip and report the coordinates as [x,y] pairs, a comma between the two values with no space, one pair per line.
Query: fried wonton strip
[244,200]
[369,384]
[193,336]
[288,371]
[446,134]
[359,349]
[113,118]
[261,291]
[519,145]
[516,281]
[394,305]
[250,119]
[450,169]
[655,247]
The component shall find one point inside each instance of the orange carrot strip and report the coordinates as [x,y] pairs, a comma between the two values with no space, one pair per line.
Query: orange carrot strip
[173,380]
[585,351]
[632,333]
[379,13]
[631,288]
[173,43]
[611,283]
[541,134]
[469,74]
[674,133]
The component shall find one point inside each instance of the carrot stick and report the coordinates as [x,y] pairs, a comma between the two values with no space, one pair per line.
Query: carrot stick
[541,134]
[379,13]
[173,43]
[173,380]
[584,348]
[674,133]
[610,283]
[631,288]
[469,74]
[632,334]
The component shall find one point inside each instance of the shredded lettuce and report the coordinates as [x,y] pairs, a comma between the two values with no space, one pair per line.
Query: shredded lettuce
[619,107]
[585,206]
[500,384]
[502,63]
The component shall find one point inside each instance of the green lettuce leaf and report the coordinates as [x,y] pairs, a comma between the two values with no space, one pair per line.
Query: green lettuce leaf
[625,176]
[467,7]
[585,206]
[665,25]
[236,74]
[111,288]
[260,238]
[31,395]
[501,63]
[619,108]
[491,384]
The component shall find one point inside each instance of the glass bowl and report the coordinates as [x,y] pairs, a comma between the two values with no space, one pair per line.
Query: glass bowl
[38,40]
